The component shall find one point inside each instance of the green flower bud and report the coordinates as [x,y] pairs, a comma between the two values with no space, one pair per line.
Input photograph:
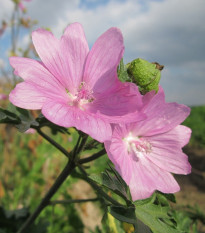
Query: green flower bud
[145,74]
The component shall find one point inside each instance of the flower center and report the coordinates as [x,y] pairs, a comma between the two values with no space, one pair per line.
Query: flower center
[137,146]
[83,96]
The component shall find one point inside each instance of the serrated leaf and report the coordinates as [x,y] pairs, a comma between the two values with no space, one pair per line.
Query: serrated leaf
[8,117]
[111,180]
[163,199]
[27,120]
[153,216]
[19,117]
[146,201]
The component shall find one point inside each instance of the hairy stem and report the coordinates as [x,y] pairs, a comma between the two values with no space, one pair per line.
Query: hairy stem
[46,200]
[92,157]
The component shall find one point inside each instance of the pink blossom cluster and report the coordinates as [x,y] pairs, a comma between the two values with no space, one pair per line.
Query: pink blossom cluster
[21,5]
[77,87]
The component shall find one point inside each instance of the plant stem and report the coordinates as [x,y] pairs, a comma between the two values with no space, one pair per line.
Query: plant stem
[92,157]
[54,143]
[82,144]
[72,201]
[76,146]
[46,200]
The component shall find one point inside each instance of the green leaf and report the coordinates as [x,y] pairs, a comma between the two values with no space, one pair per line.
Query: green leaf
[112,180]
[8,117]
[122,72]
[123,213]
[163,199]
[182,220]
[155,217]
[19,117]
[27,120]
[146,201]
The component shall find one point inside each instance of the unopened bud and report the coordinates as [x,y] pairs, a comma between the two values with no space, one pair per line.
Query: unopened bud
[145,74]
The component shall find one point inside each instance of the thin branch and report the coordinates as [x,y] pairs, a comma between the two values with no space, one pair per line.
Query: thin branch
[76,146]
[73,201]
[82,144]
[92,157]
[46,200]
[54,143]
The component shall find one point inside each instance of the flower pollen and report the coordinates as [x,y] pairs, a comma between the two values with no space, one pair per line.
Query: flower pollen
[137,145]
[83,96]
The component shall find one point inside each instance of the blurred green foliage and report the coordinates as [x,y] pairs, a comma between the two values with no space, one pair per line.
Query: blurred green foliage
[29,165]
[196,121]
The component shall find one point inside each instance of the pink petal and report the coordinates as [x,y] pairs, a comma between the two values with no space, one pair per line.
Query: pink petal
[38,80]
[26,96]
[34,72]
[130,171]
[3,97]
[62,60]
[162,116]
[67,116]
[30,131]
[143,177]
[147,177]
[175,138]
[171,160]
[140,173]
[103,59]
[166,150]
[21,6]
[119,105]
[117,152]
[74,48]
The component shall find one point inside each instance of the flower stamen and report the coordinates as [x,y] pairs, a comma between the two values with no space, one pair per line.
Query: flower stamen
[137,145]
[83,96]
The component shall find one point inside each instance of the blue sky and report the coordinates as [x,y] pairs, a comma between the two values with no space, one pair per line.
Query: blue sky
[170,32]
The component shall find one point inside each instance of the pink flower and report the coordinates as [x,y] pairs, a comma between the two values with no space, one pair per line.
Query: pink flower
[3,97]
[147,152]
[75,87]
[30,131]
[21,5]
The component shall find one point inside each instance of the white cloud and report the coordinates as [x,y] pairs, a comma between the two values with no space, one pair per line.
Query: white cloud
[25,40]
[6,8]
